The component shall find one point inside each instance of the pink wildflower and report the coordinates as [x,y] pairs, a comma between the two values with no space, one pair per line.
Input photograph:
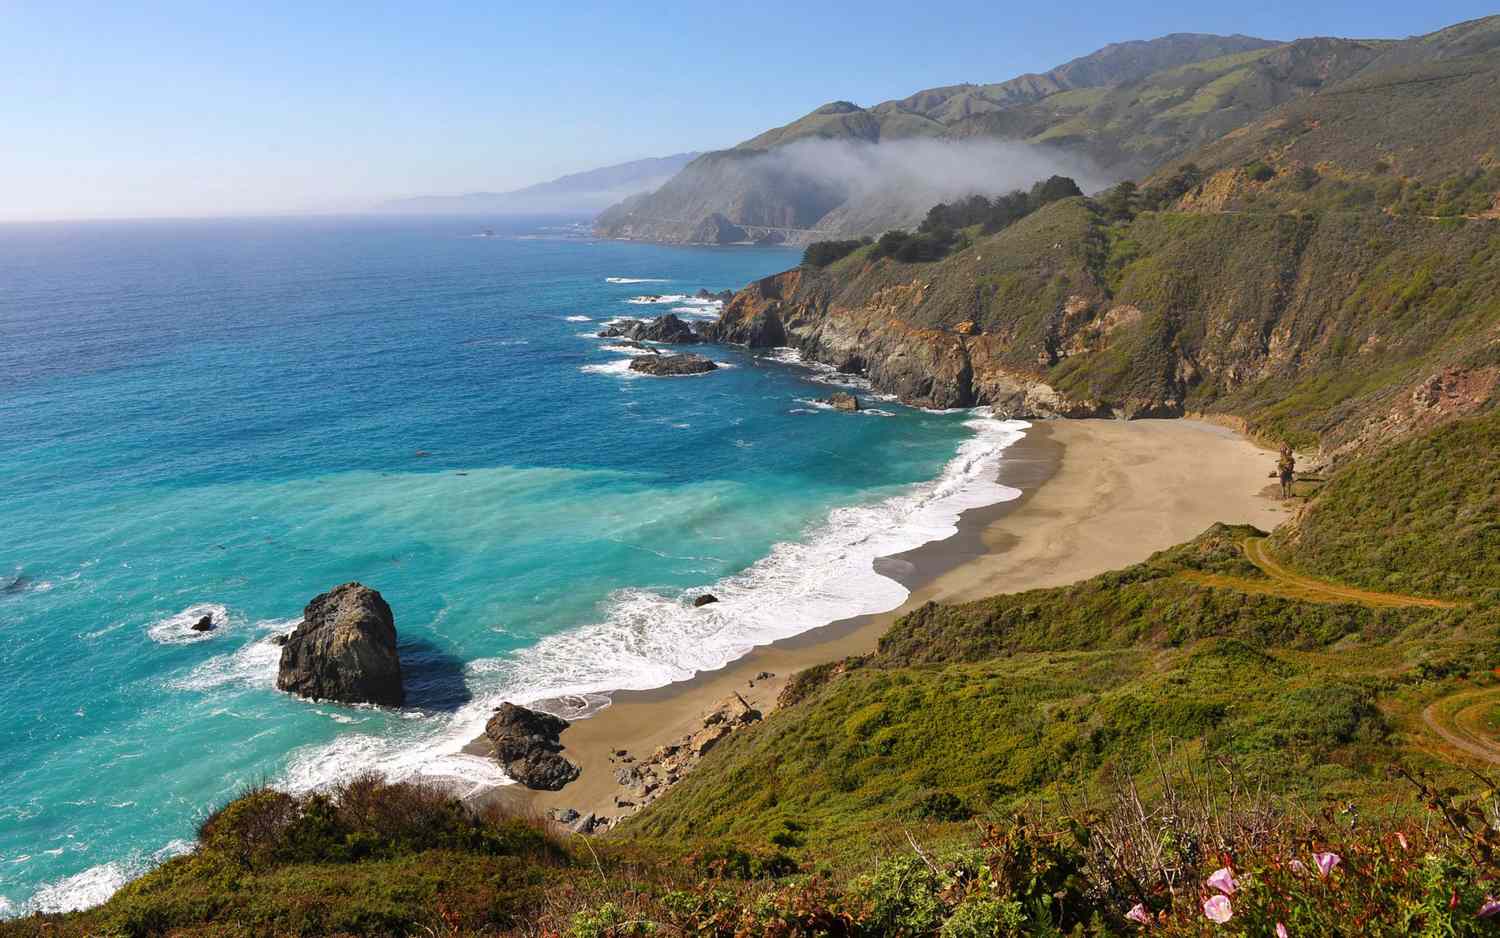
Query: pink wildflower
[1401,839]
[1490,909]
[1280,930]
[1326,862]
[1223,880]
[1218,909]
[1138,913]
[1298,867]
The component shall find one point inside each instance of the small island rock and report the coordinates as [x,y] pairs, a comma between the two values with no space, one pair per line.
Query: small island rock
[668,329]
[667,366]
[705,600]
[842,400]
[526,744]
[344,650]
[205,624]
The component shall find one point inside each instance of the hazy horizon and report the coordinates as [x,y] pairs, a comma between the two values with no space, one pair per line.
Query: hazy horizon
[179,111]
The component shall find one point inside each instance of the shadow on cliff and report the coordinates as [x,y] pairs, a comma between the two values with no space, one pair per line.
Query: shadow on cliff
[434,679]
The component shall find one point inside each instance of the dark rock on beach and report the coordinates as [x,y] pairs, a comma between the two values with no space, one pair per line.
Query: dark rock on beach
[205,624]
[667,366]
[668,329]
[344,650]
[526,744]
[704,600]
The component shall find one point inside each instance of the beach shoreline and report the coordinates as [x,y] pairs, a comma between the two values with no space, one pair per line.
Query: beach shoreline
[1095,495]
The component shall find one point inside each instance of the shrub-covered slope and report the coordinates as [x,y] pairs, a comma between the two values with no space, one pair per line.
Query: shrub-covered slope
[1422,516]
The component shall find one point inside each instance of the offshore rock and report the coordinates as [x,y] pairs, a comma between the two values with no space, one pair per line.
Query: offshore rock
[842,400]
[668,366]
[618,330]
[205,624]
[705,600]
[525,742]
[344,650]
[668,329]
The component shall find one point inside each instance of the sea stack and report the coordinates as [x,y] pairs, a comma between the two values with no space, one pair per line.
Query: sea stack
[668,366]
[344,650]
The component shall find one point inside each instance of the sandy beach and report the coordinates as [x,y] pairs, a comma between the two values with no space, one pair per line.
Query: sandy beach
[1096,495]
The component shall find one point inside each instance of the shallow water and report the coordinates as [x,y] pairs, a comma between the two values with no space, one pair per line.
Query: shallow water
[230,417]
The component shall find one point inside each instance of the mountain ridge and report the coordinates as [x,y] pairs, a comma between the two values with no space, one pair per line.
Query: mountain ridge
[588,190]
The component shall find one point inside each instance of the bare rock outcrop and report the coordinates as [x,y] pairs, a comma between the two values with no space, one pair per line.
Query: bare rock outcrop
[672,366]
[525,742]
[344,650]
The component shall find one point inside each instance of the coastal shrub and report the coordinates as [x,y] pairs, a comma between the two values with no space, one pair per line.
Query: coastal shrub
[823,253]
[1421,517]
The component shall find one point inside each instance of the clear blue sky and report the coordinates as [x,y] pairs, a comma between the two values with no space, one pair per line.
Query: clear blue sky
[134,109]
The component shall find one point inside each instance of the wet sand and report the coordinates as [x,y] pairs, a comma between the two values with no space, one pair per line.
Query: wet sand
[1096,495]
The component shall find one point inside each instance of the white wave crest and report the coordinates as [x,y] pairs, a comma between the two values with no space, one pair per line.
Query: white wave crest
[625,350]
[96,884]
[178,629]
[253,665]
[578,319]
[636,280]
[620,368]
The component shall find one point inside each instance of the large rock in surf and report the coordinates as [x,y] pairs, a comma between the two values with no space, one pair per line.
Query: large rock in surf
[842,400]
[668,329]
[525,743]
[619,329]
[344,650]
[667,366]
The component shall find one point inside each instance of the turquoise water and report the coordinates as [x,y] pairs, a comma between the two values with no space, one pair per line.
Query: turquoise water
[236,415]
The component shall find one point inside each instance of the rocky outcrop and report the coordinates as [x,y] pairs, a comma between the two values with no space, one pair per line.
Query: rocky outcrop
[669,366]
[842,400]
[205,624]
[707,599]
[644,781]
[525,742]
[618,329]
[668,329]
[344,649]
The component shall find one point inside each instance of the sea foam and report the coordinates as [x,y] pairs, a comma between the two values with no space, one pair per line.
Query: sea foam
[177,629]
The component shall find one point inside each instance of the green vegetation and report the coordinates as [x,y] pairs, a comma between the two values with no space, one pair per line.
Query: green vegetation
[823,253]
[1422,516]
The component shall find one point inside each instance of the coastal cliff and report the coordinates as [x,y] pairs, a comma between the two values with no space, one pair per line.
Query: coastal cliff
[1333,330]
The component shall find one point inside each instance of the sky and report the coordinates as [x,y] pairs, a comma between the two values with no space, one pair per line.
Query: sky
[211,109]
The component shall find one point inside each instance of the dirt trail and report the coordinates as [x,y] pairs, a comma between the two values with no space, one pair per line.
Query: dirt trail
[1456,720]
[1290,585]
[1255,549]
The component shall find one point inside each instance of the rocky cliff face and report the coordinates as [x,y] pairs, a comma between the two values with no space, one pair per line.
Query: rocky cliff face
[344,649]
[1335,331]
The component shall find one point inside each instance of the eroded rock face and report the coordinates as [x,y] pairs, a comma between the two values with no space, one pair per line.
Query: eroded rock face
[344,650]
[667,329]
[525,742]
[668,366]
[842,400]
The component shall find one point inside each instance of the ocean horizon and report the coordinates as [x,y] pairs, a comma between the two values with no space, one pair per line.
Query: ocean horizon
[228,417]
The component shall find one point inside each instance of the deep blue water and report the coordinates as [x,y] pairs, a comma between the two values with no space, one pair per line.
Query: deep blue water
[236,415]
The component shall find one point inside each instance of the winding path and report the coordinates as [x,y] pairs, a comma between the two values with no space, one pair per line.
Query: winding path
[1324,591]
[1456,720]
[1288,584]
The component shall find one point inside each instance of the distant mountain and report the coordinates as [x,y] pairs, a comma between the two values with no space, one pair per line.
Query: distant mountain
[587,191]
[1118,112]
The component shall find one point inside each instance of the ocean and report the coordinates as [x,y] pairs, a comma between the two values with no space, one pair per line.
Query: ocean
[232,416]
